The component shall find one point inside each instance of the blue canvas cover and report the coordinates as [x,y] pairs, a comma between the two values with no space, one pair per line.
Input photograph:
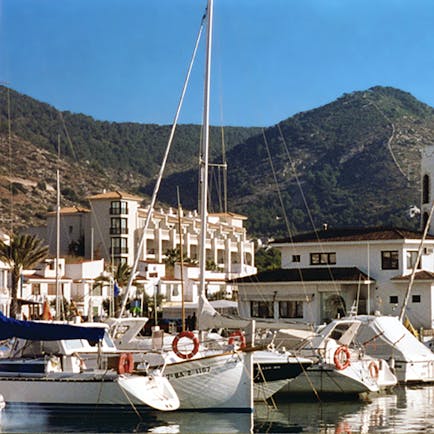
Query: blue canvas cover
[38,331]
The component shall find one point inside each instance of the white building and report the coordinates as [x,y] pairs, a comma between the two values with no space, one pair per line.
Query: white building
[325,273]
[75,282]
[112,227]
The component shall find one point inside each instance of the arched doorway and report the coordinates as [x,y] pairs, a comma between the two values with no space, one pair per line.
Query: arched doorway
[334,307]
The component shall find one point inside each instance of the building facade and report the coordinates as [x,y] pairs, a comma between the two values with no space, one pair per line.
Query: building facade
[328,273]
[113,226]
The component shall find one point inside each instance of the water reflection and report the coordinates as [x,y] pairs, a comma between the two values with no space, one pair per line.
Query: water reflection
[406,409]
[15,420]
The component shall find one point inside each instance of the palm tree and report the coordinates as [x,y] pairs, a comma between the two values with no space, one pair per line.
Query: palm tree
[121,275]
[23,251]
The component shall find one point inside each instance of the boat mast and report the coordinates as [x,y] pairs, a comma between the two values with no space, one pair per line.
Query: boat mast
[58,291]
[204,161]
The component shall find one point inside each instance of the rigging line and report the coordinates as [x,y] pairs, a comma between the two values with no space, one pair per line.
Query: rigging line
[11,192]
[100,232]
[160,174]
[283,209]
[297,179]
[277,185]
[68,138]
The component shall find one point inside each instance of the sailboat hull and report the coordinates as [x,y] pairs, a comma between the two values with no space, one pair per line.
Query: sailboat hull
[329,380]
[216,382]
[88,390]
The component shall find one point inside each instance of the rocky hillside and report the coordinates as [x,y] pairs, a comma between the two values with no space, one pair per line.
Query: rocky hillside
[355,161]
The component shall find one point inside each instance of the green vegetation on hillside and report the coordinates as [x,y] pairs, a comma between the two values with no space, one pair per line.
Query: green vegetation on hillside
[353,162]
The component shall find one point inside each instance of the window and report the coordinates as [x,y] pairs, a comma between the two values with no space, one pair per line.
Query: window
[261,309]
[295,258]
[36,289]
[322,258]
[52,289]
[119,226]
[290,309]
[415,298]
[411,259]
[118,207]
[119,260]
[390,260]
[393,299]
[425,189]
[118,246]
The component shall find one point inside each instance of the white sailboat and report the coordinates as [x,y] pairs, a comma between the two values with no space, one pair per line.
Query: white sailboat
[54,367]
[225,375]
[342,367]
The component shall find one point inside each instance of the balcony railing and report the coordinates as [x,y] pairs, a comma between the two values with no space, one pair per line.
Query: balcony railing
[118,231]
[118,250]
[118,211]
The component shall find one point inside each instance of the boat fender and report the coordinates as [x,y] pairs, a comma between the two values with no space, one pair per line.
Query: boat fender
[126,363]
[188,335]
[373,370]
[342,357]
[237,336]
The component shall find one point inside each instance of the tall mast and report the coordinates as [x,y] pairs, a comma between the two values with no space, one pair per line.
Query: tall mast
[204,159]
[58,291]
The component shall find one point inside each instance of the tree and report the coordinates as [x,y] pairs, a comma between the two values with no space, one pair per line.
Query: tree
[23,252]
[267,259]
[120,276]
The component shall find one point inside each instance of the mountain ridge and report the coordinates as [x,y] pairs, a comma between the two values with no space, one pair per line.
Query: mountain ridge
[353,161]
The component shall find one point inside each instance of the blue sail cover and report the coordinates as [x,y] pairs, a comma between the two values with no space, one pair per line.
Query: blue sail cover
[38,331]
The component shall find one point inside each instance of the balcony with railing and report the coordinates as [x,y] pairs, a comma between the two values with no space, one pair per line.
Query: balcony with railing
[118,250]
[115,210]
[118,231]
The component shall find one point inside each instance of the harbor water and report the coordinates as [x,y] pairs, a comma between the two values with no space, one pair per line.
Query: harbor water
[404,410]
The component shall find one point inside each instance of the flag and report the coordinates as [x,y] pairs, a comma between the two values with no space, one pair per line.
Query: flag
[116,289]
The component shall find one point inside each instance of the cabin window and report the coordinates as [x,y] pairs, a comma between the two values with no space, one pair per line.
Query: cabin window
[411,259]
[323,258]
[390,260]
[393,299]
[415,298]
[425,189]
[295,258]
[290,309]
[261,309]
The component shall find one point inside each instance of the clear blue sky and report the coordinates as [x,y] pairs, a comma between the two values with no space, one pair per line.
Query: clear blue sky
[126,60]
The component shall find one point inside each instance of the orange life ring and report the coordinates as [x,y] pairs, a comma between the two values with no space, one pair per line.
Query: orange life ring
[189,335]
[237,336]
[373,370]
[343,427]
[126,363]
[342,350]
